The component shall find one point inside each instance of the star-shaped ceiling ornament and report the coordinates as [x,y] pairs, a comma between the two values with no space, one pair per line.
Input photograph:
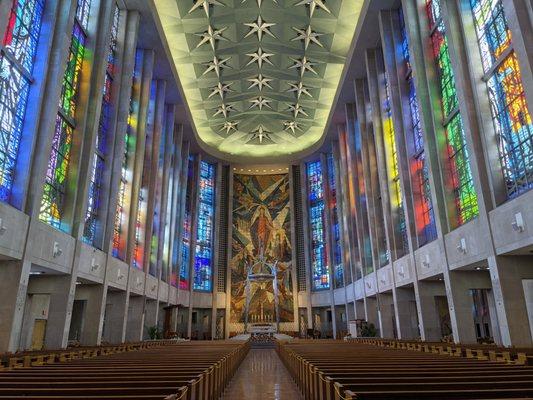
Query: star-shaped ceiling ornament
[216,65]
[220,89]
[292,126]
[260,102]
[297,109]
[303,64]
[307,36]
[260,81]
[229,126]
[259,56]
[260,133]
[313,4]
[259,26]
[211,36]
[224,109]
[205,5]
[299,88]
[259,2]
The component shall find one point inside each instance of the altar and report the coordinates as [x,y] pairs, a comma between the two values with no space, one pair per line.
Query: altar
[262,328]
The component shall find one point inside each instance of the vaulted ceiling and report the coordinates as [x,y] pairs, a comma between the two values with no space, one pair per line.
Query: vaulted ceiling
[259,77]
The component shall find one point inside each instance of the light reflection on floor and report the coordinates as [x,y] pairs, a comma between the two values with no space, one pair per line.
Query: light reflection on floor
[262,376]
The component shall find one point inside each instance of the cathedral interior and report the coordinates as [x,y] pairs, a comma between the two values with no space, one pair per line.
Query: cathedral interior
[266,199]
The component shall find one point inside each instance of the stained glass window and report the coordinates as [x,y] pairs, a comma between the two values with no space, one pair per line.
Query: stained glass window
[510,113]
[396,195]
[55,185]
[424,217]
[122,215]
[317,223]
[187,227]
[336,234]
[92,221]
[16,68]
[460,175]
[203,254]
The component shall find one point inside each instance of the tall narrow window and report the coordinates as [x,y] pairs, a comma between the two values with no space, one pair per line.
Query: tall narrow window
[510,113]
[319,259]
[203,254]
[142,203]
[100,156]
[16,67]
[122,214]
[423,204]
[187,227]
[460,175]
[396,195]
[55,186]
[335,225]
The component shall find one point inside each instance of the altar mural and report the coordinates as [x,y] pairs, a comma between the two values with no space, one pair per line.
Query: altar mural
[261,228]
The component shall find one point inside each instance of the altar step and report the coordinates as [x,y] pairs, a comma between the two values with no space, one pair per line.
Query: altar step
[262,344]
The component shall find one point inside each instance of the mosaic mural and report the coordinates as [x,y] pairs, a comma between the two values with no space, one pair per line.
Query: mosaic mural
[261,226]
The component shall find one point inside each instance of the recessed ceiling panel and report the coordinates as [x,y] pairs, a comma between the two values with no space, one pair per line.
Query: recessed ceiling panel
[259,76]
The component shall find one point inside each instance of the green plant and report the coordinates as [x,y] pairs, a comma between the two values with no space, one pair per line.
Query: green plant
[369,330]
[155,333]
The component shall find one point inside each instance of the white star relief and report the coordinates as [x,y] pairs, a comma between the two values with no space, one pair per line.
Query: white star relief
[313,4]
[297,109]
[211,36]
[292,126]
[229,126]
[215,65]
[205,5]
[260,133]
[259,2]
[259,26]
[307,36]
[304,65]
[220,89]
[259,56]
[260,102]
[299,88]
[260,81]
[224,110]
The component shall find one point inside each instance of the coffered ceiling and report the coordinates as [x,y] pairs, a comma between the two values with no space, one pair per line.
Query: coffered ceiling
[259,76]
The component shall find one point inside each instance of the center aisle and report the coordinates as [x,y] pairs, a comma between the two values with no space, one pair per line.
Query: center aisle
[262,376]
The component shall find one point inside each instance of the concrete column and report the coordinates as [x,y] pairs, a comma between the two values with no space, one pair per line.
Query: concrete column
[90,102]
[406,313]
[507,274]
[143,96]
[95,297]
[328,212]
[126,94]
[37,161]
[116,315]
[230,255]
[182,195]
[427,290]
[151,168]
[292,205]
[136,315]
[387,315]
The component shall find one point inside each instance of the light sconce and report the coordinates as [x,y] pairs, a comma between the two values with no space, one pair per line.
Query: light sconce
[461,247]
[120,275]
[518,223]
[153,288]
[3,228]
[401,273]
[368,285]
[56,251]
[94,265]
[425,261]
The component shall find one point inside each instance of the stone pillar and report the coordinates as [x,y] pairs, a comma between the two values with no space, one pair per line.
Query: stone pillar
[116,314]
[136,314]
[427,290]
[406,313]
[215,248]
[386,310]
[95,297]
[229,256]
[307,244]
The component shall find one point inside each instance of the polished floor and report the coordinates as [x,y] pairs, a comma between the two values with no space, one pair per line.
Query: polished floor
[262,376]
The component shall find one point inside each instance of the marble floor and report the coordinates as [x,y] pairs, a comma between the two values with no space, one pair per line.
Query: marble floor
[262,376]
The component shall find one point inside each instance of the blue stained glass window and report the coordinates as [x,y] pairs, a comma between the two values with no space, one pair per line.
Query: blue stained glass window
[423,204]
[319,259]
[510,112]
[186,234]
[337,250]
[92,220]
[203,254]
[16,67]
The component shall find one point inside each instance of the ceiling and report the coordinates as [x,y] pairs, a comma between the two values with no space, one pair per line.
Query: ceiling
[259,77]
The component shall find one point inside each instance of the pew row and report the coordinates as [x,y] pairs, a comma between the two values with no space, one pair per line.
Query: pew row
[337,370]
[183,370]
